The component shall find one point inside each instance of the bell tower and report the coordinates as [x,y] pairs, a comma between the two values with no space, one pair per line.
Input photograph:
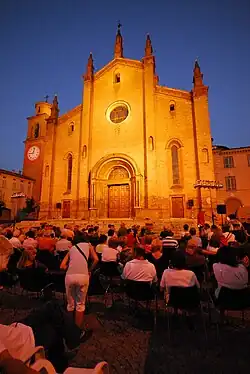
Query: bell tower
[35,144]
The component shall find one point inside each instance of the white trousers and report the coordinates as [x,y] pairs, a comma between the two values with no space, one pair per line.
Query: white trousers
[76,291]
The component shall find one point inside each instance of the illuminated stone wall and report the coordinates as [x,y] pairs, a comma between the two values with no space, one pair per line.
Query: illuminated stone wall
[157,119]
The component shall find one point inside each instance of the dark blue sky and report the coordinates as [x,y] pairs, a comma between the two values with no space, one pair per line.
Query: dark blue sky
[45,46]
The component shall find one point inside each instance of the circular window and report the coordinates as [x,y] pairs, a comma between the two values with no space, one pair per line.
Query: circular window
[119,113]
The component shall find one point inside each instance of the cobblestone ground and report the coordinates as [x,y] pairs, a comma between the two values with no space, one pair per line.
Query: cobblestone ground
[131,344]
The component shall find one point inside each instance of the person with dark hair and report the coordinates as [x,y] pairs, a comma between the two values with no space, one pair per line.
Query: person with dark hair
[30,240]
[139,269]
[158,258]
[195,239]
[185,233]
[102,244]
[228,271]
[131,238]
[229,236]
[122,230]
[110,252]
[77,275]
[177,276]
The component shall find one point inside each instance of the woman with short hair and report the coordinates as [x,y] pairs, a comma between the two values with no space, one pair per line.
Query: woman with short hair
[77,275]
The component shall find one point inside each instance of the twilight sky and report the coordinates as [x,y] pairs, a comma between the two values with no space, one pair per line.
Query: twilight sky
[45,46]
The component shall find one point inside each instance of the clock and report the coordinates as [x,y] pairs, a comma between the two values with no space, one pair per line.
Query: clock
[33,153]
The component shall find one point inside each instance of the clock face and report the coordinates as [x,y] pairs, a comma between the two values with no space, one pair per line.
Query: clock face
[33,153]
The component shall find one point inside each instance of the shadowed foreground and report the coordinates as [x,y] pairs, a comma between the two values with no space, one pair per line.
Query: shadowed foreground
[131,345]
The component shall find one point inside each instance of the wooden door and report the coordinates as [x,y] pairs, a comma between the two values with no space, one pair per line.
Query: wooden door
[119,201]
[177,207]
[66,209]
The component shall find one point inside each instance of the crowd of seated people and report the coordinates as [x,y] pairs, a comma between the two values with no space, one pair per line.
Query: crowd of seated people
[138,254]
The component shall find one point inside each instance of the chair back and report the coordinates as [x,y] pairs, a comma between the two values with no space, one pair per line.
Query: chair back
[109,269]
[48,259]
[230,299]
[32,279]
[184,297]
[140,291]
[57,277]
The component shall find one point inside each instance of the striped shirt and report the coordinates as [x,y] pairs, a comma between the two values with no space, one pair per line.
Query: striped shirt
[170,242]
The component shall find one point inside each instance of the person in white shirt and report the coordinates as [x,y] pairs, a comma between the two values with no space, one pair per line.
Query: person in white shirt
[110,252]
[140,269]
[63,244]
[77,275]
[13,240]
[102,244]
[228,271]
[178,276]
[229,236]
[49,327]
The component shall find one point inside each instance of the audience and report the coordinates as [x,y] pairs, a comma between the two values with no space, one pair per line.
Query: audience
[229,272]
[30,240]
[139,269]
[63,244]
[157,258]
[102,244]
[177,275]
[229,236]
[110,252]
[195,239]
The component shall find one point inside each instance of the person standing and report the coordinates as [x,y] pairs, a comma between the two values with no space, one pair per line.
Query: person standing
[77,275]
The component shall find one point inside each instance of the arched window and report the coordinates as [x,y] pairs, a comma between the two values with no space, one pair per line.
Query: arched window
[71,128]
[151,143]
[36,131]
[69,177]
[117,78]
[205,155]
[175,164]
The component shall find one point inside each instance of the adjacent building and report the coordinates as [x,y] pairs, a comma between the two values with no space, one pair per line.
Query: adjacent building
[14,189]
[232,169]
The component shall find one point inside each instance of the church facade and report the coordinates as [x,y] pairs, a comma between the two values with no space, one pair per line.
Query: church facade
[131,149]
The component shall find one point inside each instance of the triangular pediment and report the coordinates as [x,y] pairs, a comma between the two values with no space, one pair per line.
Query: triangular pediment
[118,62]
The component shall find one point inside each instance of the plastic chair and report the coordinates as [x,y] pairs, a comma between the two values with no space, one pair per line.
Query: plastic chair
[33,279]
[35,354]
[186,299]
[108,274]
[101,368]
[45,365]
[230,299]
[142,291]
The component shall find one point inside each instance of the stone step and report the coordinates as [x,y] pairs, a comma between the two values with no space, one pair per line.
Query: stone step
[175,224]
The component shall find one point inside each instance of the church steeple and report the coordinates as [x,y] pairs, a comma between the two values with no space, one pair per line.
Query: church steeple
[90,68]
[118,52]
[54,110]
[198,76]
[148,47]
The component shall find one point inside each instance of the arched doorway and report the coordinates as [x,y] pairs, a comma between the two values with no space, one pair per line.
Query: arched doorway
[233,204]
[119,187]
[115,187]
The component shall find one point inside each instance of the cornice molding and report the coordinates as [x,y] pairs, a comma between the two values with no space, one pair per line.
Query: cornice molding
[118,61]
[231,151]
[66,116]
[173,92]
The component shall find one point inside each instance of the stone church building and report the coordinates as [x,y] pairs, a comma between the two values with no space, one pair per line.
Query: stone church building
[131,149]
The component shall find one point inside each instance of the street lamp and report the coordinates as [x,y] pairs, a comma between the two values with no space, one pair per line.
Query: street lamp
[210,185]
